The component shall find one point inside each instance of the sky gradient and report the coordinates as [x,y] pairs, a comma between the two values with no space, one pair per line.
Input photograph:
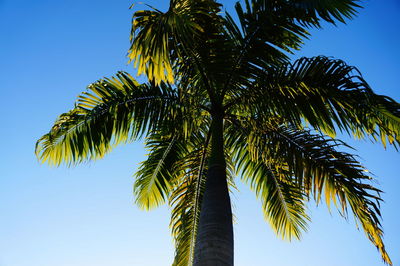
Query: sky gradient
[83,216]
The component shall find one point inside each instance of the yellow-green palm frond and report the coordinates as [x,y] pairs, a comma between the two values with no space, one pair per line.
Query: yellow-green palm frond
[326,94]
[322,171]
[283,202]
[113,110]
[186,200]
[157,36]
[168,144]
[186,197]
[307,164]
[155,177]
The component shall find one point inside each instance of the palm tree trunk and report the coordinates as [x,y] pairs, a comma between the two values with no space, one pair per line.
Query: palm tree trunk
[214,243]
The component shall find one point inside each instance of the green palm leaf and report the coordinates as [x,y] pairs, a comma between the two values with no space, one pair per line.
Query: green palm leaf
[283,203]
[325,93]
[186,201]
[168,146]
[156,175]
[158,39]
[113,110]
[268,30]
[320,169]
[187,195]
[311,12]
[309,164]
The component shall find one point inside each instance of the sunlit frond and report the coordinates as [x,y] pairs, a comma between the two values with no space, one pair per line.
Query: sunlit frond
[327,94]
[186,200]
[283,202]
[169,145]
[187,196]
[321,170]
[156,36]
[111,111]
[155,177]
[311,165]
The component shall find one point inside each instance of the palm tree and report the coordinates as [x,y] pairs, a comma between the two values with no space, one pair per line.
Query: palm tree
[224,100]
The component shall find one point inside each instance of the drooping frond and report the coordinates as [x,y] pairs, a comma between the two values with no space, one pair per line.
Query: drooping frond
[339,175]
[186,198]
[168,146]
[186,201]
[283,202]
[327,94]
[263,26]
[319,169]
[111,111]
[155,177]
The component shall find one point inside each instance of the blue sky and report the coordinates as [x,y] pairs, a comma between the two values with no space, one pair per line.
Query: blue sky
[82,216]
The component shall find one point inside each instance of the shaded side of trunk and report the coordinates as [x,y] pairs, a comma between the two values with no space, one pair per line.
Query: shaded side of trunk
[214,243]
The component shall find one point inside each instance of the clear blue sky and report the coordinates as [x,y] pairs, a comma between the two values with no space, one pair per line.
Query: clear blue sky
[84,216]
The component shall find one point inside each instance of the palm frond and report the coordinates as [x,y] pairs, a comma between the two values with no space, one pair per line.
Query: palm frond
[317,167]
[311,12]
[328,94]
[168,146]
[156,175]
[113,110]
[283,202]
[156,36]
[186,201]
[311,164]
[263,23]
[262,39]
[186,198]
[268,30]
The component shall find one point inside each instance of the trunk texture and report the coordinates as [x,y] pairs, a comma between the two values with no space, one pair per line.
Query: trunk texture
[214,243]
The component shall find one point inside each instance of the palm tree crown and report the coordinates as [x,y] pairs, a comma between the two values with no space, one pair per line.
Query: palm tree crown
[224,100]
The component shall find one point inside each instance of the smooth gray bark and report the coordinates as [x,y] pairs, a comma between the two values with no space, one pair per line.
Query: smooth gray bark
[214,243]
